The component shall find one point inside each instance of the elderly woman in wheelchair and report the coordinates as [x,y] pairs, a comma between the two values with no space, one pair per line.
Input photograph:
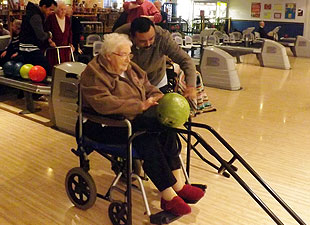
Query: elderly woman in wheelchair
[112,84]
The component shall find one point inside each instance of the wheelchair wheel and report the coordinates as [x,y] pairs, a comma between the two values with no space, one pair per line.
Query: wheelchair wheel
[80,188]
[118,213]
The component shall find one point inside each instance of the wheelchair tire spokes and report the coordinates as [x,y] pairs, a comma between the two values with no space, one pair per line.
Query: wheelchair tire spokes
[118,213]
[80,188]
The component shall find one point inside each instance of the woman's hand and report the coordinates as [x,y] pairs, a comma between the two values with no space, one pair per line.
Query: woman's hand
[51,43]
[149,102]
[72,47]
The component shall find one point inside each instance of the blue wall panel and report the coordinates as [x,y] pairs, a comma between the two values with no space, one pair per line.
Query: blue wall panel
[290,29]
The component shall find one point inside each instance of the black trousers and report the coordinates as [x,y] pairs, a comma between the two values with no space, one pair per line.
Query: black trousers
[158,147]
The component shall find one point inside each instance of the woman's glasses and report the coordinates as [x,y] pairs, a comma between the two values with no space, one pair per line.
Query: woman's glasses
[124,55]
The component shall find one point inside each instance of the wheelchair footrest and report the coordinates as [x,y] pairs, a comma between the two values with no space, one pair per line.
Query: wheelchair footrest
[163,217]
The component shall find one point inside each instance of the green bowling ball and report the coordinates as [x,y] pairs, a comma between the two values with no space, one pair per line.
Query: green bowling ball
[173,110]
[24,71]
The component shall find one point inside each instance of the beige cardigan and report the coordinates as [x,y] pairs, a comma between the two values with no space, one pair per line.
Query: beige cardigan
[109,93]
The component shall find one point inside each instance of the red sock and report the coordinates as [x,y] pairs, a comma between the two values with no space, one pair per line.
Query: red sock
[191,194]
[176,206]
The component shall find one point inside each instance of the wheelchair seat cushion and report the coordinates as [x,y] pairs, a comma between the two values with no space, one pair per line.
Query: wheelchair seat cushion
[111,149]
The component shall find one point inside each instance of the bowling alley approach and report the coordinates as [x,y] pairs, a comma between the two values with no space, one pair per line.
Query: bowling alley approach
[136,112]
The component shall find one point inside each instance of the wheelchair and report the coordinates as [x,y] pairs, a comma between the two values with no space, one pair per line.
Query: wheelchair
[81,188]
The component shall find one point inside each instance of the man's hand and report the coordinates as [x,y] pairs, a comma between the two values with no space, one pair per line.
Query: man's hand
[190,92]
[3,54]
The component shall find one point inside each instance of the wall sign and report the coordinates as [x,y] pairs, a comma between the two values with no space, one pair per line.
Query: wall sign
[255,9]
[290,11]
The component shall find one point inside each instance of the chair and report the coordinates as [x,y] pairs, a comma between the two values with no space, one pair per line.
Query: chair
[196,39]
[97,45]
[226,39]
[207,32]
[178,40]
[4,41]
[211,40]
[92,38]
[219,34]
[80,186]
[176,34]
[235,36]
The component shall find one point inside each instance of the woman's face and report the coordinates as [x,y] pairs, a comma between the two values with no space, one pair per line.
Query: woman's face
[120,58]
[61,11]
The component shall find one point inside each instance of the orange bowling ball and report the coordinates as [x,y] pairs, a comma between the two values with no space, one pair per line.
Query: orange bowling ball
[37,73]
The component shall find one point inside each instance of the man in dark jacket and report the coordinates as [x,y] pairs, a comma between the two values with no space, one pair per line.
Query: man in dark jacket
[33,36]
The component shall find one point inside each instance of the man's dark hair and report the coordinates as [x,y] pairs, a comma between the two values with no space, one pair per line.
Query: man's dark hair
[140,25]
[47,3]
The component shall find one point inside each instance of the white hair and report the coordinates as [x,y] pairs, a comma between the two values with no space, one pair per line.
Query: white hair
[60,3]
[112,41]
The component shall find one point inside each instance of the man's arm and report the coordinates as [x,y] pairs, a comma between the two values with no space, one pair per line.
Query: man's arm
[37,25]
[179,56]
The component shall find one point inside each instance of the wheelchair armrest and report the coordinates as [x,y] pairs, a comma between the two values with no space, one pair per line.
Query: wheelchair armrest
[114,120]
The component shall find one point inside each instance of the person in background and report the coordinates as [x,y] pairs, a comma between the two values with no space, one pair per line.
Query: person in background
[33,36]
[262,32]
[112,84]
[59,25]
[164,15]
[3,31]
[11,52]
[77,30]
[151,45]
[141,8]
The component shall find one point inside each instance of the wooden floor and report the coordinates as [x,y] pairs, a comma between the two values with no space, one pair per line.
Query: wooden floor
[267,122]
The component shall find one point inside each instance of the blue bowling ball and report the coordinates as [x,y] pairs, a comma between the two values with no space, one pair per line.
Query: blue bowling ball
[8,68]
[17,67]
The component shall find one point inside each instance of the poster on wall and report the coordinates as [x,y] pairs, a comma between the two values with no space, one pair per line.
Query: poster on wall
[267,6]
[267,15]
[277,15]
[255,9]
[290,10]
[300,12]
[278,7]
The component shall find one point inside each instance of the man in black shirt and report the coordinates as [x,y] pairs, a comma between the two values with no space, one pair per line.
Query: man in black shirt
[262,32]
